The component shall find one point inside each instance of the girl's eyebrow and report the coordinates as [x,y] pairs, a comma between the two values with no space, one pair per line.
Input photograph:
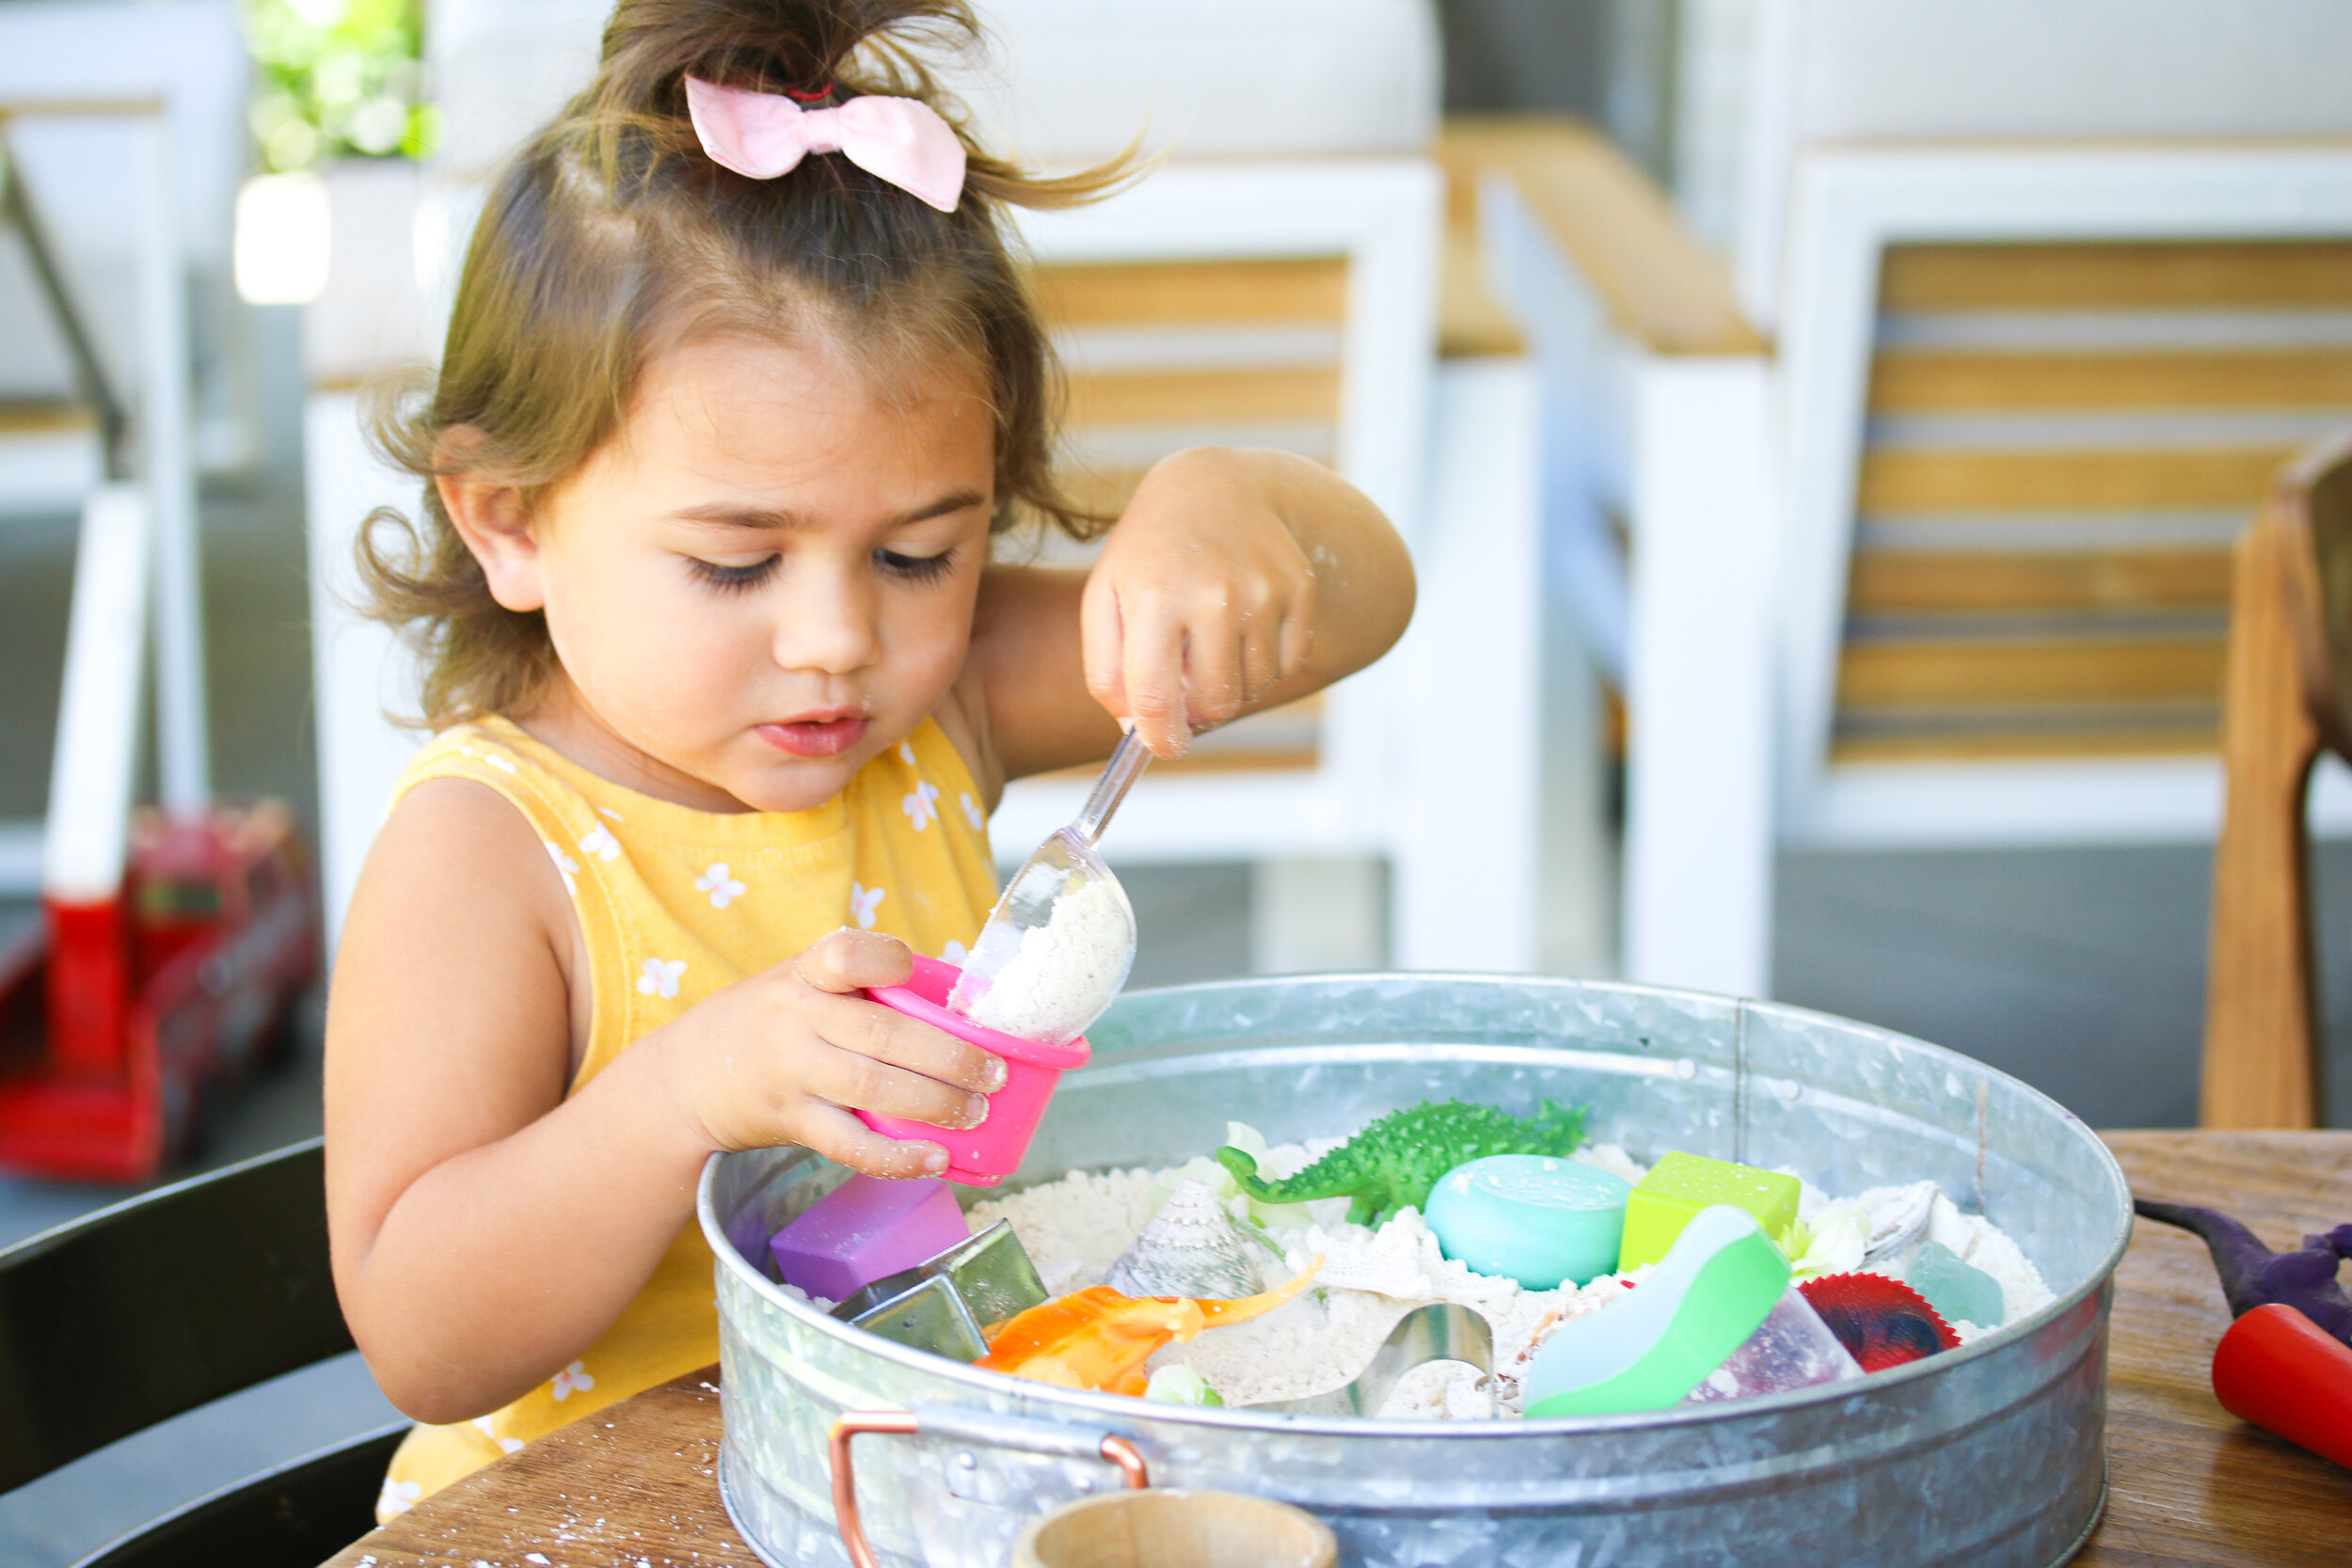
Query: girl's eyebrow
[772,520]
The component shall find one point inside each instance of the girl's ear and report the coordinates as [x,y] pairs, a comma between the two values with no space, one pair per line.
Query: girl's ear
[490,516]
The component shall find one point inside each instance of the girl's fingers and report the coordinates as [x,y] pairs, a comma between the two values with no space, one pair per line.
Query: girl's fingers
[868,1029]
[1100,644]
[1297,642]
[847,1141]
[1260,662]
[1213,664]
[1153,674]
[857,1081]
[848,960]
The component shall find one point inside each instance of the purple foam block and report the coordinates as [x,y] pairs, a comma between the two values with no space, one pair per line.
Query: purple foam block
[865,1228]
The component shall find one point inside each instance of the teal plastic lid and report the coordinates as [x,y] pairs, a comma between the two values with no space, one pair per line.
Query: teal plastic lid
[1535,1218]
[1649,1351]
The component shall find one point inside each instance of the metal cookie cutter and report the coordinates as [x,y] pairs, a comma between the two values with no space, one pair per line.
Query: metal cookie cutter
[947,1304]
[1443,1331]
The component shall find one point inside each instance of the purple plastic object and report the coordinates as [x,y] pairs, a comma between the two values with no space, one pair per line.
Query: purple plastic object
[984,1155]
[865,1228]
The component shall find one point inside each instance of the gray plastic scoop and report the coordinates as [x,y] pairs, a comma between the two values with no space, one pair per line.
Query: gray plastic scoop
[1061,941]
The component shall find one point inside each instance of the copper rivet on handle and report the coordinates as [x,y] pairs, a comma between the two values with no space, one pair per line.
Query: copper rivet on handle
[1129,1459]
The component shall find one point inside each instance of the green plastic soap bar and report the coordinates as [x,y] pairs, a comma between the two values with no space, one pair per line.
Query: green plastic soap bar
[1680,1185]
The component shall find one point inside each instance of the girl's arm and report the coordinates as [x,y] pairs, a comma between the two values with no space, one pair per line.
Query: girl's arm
[1234,581]
[486,1228]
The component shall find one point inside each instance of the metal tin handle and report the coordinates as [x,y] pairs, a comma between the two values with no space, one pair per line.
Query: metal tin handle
[970,1426]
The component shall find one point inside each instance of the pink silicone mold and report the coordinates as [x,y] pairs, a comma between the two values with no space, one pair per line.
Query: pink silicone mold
[988,1153]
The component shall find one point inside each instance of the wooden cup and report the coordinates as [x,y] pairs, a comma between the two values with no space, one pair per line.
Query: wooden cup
[1170,1528]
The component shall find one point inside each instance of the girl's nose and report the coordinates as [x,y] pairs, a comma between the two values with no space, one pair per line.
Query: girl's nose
[825,621]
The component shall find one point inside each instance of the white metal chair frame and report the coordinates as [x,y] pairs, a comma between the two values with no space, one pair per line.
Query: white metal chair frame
[1686,629]
[128,528]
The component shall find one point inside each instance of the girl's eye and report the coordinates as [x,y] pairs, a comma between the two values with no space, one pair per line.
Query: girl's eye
[732,578]
[916,568]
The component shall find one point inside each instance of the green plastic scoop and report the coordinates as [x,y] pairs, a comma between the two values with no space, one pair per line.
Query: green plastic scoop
[1650,1350]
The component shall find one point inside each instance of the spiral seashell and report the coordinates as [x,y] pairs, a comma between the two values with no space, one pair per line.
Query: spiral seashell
[1899,1220]
[1192,1247]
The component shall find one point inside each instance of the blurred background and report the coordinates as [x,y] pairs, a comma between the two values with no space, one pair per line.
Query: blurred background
[1822,427]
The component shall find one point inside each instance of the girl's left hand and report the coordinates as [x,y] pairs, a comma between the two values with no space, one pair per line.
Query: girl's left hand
[1204,599]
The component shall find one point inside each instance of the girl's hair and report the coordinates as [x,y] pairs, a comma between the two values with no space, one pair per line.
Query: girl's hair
[613,237]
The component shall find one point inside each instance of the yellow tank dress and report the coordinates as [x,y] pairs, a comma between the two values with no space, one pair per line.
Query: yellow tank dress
[677,904]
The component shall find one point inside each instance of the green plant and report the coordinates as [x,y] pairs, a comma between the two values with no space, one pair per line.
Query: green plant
[335,78]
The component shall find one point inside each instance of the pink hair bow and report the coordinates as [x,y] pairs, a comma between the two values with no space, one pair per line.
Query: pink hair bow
[761,136]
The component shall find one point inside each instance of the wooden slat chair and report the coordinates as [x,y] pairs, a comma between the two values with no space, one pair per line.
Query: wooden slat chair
[2061,441]
[171,1300]
[2012,424]
[2288,693]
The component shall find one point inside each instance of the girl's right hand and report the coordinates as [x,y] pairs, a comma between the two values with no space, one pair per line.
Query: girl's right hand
[781,1058]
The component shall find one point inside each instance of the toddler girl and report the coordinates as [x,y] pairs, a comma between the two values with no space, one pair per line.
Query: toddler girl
[740,386]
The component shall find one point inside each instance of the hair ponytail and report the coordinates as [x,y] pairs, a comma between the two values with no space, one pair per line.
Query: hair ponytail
[795,46]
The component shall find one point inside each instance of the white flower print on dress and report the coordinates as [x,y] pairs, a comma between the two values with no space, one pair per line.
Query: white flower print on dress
[600,843]
[954,953]
[398,1497]
[906,753]
[608,811]
[723,889]
[861,902]
[661,976]
[566,867]
[971,807]
[921,804]
[506,1445]
[500,760]
[573,1379]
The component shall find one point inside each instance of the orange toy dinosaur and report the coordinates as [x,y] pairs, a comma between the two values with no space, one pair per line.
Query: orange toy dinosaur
[1099,1339]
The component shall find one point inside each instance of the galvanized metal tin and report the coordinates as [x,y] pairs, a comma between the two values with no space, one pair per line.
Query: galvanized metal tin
[1991,1455]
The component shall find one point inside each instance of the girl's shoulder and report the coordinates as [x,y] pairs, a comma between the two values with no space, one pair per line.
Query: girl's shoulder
[438,815]
[492,751]
[557,797]
[489,806]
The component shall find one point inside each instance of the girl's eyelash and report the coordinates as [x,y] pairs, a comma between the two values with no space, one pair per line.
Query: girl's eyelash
[732,578]
[917,568]
[914,568]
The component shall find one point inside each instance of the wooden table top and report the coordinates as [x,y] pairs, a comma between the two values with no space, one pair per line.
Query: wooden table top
[2189,1483]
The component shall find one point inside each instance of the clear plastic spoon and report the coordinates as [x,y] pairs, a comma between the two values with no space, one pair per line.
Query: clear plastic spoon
[1061,941]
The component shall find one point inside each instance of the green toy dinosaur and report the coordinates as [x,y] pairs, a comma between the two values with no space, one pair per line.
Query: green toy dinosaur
[1393,1164]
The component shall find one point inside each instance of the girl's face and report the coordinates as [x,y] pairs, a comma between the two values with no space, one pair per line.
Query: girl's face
[769,576]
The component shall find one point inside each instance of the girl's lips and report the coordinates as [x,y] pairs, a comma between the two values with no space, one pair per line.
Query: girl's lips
[816,737]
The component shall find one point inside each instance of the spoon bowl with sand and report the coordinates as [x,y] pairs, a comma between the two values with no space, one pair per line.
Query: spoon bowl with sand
[1061,941]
